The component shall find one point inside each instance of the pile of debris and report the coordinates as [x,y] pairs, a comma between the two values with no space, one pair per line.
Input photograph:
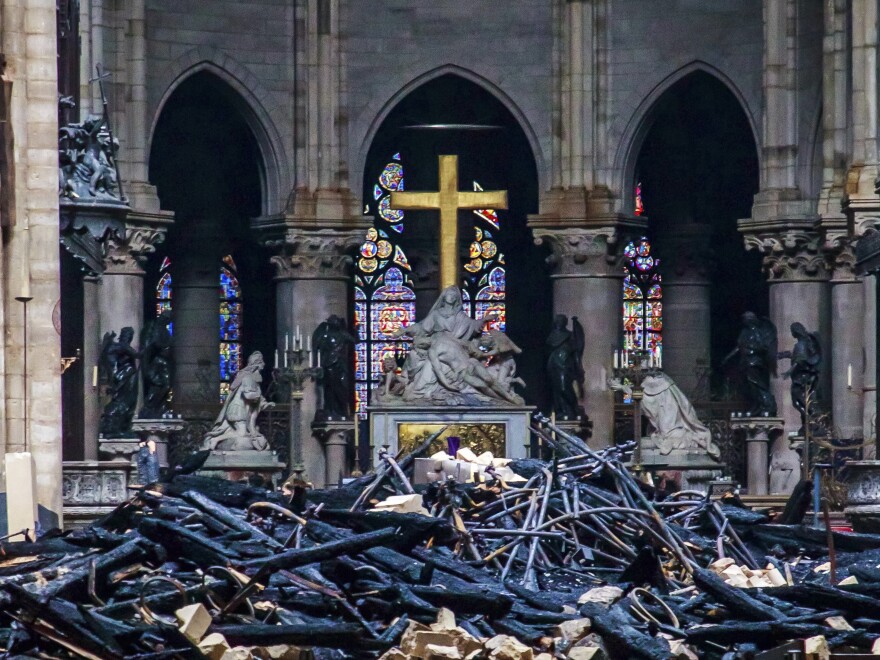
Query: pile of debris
[579,560]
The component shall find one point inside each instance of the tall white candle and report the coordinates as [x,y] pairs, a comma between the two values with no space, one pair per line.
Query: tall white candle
[616,359]
[849,375]
[286,341]
[276,358]
[95,376]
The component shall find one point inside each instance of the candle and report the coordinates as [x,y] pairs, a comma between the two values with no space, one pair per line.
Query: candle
[286,341]
[95,376]
[297,331]
[319,359]
[309,342]
[276,358]
[311,358]
[285,359]
[849,375]
[616,360]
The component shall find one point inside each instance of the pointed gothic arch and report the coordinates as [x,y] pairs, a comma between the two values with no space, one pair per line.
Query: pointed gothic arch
[642,118]
[445,70]
[247,94]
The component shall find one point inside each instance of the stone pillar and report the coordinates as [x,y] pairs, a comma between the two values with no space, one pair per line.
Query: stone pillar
[31,396]
[195,274]
[869,371]
[685,255]
[847,342]
[313,281]
[587,279]
[798,276]
[90,356]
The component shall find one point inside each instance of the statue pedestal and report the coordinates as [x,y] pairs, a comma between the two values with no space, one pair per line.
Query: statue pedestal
[759,434]
[697,469]
[239,465]
[863,496]
[91,489]
[336,436]
[402,425]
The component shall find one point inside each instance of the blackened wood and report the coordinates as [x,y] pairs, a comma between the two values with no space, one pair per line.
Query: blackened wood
[819,596]
[764,633]
[182,542]
[622,639]
[470,601]
[228,518]
[734,599]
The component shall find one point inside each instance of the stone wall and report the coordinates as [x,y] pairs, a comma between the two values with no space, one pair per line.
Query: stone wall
[30,252]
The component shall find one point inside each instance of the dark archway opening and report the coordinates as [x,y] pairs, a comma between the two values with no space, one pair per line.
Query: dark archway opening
[208,169]
[498,158]
[698,167]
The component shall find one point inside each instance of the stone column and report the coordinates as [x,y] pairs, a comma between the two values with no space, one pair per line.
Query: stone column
[861,199]
[685,256]
[195,274]
[798,275]
[30,248]
[313,281]
[847,341]
[90,356]
[587,279]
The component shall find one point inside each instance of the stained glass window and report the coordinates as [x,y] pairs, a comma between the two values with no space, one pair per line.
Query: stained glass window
[163,289]
[640,205]
[484,277]
[384,300]
[642,299]
[230,325]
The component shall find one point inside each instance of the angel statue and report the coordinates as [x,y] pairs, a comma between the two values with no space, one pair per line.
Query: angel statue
[334,345]
[806,361]
[565,367]
[118,362]
[156,366]
[756,347]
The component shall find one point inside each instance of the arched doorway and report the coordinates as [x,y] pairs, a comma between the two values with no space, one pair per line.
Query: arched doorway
[501,269]
[208,169]
[697,172]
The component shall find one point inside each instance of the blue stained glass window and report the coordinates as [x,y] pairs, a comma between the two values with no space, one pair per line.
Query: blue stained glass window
[230,325]
[484,277]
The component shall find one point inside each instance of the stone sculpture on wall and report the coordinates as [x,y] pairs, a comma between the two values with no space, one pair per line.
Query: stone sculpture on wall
[334,344]
[674,422]
[564,366]
[119,364]
[756,348]
[87,170]
[446,368]
[157,366]
[235,428]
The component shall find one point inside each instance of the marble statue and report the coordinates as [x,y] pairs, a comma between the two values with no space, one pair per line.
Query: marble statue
[452,363]
[674,422]
[87,169]
[235,428]
[393,381]
[564,366]
[334,345]
[806,362]
[756,348]
[118,361]
[156,365]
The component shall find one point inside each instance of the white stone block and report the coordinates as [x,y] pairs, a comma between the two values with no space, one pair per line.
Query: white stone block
[21,493]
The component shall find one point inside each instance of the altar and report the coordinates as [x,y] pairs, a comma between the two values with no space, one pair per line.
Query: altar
[502,430]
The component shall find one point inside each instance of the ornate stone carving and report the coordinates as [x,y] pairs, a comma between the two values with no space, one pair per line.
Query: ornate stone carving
[319,254]
[841,255]
[83,484]
[790,255]
[596,251]
[124,251]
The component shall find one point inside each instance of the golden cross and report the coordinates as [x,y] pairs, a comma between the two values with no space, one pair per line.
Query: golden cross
[449,199]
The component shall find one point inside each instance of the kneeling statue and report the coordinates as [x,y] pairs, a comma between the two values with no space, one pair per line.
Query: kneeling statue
[235,428]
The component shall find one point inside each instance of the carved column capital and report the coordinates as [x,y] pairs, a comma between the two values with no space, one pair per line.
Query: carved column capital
[790,255]
[593,252]
[841,255]
[323,254]
[125,250]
